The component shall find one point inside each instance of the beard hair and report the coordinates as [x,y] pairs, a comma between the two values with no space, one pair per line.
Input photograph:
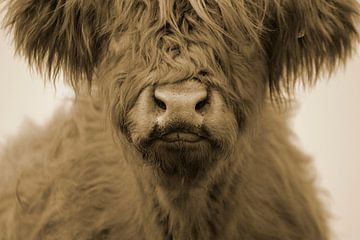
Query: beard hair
[187,163]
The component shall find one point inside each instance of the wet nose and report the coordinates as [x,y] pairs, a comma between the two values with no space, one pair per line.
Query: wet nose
[186,99]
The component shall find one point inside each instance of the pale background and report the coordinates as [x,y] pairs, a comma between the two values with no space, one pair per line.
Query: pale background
[327,125]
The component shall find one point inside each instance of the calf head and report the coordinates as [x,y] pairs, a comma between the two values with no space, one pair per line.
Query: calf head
[183,80]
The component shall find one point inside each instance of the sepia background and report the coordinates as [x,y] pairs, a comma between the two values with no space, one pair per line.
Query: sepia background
[327,124]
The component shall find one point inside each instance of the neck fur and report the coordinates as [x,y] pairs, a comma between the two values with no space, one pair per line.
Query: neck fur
[199,211]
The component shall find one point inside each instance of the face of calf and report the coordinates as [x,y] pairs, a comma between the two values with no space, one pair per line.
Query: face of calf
[185,114]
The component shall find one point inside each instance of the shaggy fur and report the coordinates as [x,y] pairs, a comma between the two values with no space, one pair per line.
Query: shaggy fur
[101,170]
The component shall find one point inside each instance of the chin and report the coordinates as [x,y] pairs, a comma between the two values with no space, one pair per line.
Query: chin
[186,157]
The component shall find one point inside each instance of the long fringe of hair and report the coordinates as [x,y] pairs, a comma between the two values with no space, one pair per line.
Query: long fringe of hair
[299,38]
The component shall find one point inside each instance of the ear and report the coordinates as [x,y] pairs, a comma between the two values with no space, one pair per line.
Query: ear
[67,35]
[307,37]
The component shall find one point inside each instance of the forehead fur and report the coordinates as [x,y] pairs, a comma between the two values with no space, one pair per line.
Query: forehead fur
[297,37]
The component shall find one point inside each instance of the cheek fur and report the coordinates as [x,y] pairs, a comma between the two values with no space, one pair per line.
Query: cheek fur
[141,119]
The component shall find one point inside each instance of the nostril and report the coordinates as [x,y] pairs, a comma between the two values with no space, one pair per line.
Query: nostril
[181,98]
[200,105]
[159,103]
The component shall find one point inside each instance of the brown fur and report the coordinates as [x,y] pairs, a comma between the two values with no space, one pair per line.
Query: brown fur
[94,172]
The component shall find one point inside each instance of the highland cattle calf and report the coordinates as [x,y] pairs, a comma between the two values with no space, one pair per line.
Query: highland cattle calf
[177,129]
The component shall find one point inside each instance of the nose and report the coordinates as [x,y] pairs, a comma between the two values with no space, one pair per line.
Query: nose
[182,100]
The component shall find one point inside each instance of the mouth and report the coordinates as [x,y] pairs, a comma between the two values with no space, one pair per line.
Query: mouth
[178,137]
[181,136]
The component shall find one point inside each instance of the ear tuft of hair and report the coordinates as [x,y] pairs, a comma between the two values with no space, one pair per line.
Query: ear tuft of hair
[67,35]
[307,38]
